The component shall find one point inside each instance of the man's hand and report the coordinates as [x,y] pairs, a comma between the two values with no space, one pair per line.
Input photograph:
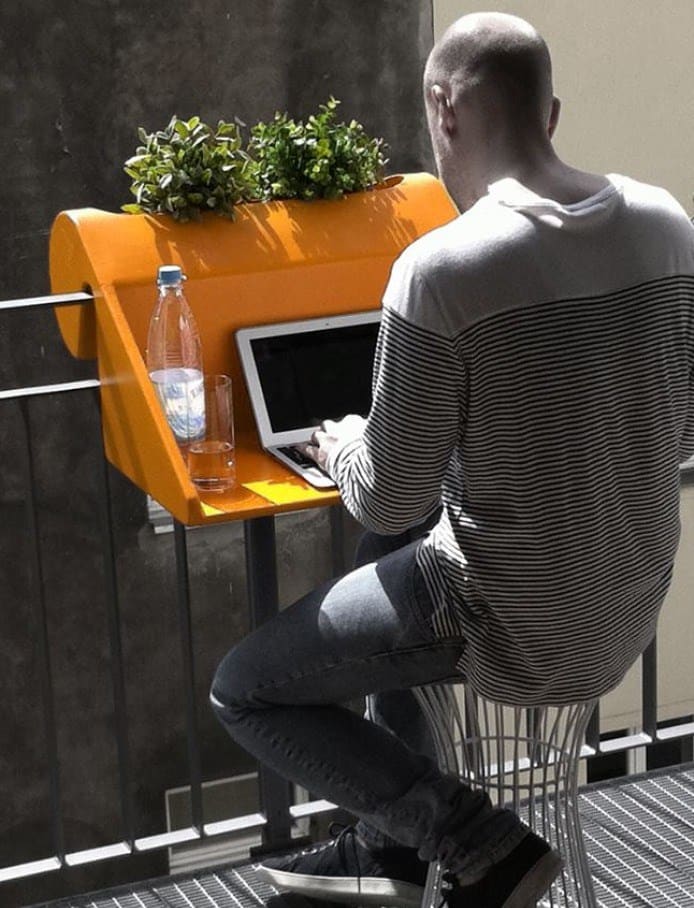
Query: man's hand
[330,433]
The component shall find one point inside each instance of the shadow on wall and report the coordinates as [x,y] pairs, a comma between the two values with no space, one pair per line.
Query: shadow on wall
[74,104]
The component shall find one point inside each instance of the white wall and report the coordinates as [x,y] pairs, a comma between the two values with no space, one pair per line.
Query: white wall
[623,70]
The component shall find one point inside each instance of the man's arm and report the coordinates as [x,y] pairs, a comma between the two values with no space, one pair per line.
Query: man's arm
[687,434]
[389,468]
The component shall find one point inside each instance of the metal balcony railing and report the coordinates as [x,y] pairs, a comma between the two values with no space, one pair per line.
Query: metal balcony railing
[276,812]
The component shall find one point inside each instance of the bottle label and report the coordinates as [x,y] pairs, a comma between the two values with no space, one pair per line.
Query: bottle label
[182,396]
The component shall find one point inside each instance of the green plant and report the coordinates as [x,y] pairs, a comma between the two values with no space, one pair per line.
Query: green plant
[319,159]
[188,168]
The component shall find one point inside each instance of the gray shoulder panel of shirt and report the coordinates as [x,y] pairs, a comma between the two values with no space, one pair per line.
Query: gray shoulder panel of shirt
[503,252]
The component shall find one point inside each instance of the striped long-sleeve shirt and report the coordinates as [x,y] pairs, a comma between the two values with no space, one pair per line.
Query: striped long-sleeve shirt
[533,375]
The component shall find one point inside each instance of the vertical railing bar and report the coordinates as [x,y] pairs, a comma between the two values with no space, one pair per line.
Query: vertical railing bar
[115,644]
[263,600]
[530,749]
[649,689]
[686,745]
[593,729]
[500,720]
[261,569]
[516,756]
[337,540]
[43,646]
[188,665]
[532,715]
[486,742]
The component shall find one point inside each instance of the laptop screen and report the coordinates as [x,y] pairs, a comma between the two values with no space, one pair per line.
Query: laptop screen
[315,375]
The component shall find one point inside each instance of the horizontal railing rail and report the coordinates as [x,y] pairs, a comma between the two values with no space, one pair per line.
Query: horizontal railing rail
[277,814]
[45,302]
[38,390]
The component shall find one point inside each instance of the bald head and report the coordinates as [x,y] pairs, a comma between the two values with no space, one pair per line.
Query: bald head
[499,58]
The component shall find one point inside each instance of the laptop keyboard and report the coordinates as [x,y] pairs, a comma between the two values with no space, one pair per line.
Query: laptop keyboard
[298,456]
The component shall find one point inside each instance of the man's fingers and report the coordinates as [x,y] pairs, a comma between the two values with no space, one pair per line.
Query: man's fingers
[326,435]
[308,448]
[312,447]
[318,436]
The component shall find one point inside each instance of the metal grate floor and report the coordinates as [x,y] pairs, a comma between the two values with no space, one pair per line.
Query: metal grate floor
[220,887]
[639,833]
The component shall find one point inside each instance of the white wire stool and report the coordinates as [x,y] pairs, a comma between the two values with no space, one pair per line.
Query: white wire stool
[527,759]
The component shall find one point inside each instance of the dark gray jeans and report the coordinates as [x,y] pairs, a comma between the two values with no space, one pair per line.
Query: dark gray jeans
[365,634]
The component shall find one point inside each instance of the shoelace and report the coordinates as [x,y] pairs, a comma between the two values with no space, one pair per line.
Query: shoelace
[342,835]
[339,833]
[446,886]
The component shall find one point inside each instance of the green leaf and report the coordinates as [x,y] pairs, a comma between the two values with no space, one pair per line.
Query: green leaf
[318,158]
[188,167]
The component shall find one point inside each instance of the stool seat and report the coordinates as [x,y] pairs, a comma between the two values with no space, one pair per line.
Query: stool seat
[526,758]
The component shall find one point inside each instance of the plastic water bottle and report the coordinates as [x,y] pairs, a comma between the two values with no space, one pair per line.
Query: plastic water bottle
[174,358]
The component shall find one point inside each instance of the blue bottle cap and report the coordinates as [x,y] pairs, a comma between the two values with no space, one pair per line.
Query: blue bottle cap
[168,275]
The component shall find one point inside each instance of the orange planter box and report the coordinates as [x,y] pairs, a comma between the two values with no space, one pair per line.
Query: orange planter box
[277,261]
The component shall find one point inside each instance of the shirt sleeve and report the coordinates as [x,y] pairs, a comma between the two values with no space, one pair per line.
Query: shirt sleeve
[390,477]
[686,451]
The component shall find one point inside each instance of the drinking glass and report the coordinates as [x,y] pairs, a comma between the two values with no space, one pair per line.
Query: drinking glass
[211,458]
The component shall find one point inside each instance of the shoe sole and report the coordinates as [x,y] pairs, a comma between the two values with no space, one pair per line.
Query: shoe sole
[536,882]
[364,891]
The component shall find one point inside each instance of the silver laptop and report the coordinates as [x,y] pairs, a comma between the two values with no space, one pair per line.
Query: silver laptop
[300,373]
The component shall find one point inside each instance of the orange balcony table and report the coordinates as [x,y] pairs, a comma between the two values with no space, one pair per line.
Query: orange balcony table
[276,261]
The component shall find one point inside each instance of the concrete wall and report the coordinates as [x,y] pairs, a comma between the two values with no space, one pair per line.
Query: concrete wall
[76,80]
[620,69]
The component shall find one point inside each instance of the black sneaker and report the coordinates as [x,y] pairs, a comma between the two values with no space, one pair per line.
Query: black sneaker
[518,881]
[345,870]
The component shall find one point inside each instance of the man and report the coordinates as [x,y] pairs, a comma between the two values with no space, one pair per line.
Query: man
[531,406]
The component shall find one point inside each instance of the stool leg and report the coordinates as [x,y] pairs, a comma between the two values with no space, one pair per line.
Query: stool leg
[472,741]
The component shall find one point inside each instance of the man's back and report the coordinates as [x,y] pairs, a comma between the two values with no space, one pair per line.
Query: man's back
[533,374]
[574,332]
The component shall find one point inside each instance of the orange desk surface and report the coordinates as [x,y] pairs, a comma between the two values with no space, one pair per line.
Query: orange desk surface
[277,261]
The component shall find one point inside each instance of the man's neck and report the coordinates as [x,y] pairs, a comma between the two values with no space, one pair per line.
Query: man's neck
[561,183]
[542,172]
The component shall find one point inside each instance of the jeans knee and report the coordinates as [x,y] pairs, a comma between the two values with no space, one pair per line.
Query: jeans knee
[227,691]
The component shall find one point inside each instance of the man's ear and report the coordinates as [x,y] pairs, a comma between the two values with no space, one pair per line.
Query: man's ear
[445,114]
[553,116]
